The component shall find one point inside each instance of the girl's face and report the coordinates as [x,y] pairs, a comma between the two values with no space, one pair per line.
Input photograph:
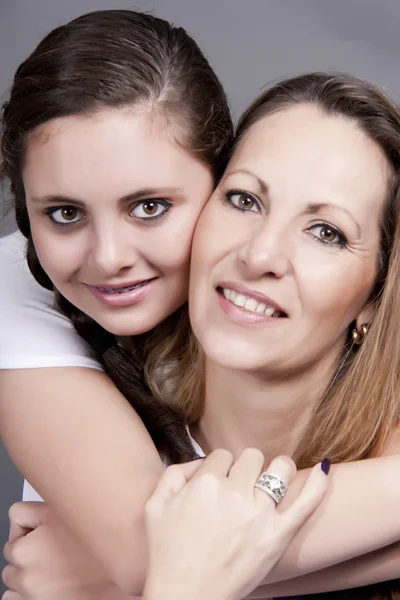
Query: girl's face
[113,201]
[285,253]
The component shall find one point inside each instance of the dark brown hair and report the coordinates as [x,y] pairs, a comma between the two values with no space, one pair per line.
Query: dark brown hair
[116,58]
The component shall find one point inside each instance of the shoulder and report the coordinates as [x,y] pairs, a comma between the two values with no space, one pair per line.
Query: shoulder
[34,333]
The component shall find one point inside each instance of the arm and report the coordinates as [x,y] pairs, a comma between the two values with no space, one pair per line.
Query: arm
[359,494]
[382,565]
[87,453]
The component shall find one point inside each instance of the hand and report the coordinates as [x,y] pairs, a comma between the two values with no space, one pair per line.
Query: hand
[46,562]
[212,534]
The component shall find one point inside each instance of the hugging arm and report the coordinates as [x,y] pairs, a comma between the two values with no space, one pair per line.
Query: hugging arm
[87,453]
[374,567]
[344,526]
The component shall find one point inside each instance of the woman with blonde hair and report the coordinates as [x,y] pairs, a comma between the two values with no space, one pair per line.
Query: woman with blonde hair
[59,221]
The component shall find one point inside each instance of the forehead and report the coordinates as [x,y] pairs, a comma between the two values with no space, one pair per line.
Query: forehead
[106,150]
[303,147]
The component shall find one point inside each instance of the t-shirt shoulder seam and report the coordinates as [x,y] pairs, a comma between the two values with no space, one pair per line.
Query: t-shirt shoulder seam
[43,362]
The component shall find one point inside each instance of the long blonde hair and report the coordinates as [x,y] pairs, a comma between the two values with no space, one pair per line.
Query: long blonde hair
[360,408]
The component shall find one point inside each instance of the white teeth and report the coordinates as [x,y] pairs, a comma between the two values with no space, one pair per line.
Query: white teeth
[239,300]
[229,294]
[250,304]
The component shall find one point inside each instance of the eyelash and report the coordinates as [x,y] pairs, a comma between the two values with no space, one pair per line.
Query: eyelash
[228,200]
[160,201]
[341,239]
[340,243]
[165,203]
[51,211]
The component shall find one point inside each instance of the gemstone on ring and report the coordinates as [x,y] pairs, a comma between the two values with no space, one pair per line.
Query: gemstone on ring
[273,485]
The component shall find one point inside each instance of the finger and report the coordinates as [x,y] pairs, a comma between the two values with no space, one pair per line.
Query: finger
[310,497]
[10,595]
[282,467]
[25,516]
[7,551]
[172,481]
[247,469]
[218,462]
[9,576]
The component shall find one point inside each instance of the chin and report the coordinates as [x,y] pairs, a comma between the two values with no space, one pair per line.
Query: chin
[236,356]
[125,326]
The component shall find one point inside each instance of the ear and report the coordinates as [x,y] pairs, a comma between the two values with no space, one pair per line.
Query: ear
[366,315]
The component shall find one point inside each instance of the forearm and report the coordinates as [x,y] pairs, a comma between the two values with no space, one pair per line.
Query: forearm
[344,526]
[84,449]
[375,567]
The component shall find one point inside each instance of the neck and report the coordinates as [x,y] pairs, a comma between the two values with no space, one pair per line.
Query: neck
[245,409]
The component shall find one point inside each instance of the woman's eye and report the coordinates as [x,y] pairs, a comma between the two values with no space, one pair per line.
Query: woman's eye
[150,209]
[329,235]
[243,201]
[65,215]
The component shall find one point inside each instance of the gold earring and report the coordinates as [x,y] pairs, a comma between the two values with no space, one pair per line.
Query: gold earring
[359,335]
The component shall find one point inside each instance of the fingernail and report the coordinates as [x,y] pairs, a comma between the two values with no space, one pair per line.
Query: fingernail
[325,466]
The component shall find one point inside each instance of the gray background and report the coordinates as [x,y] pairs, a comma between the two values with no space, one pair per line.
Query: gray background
[248,43]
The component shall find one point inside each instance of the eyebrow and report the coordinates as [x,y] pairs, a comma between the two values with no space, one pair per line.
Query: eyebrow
[311,208]
[138,195]
[261,182]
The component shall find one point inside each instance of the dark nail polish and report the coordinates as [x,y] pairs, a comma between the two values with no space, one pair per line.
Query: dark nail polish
[325,466]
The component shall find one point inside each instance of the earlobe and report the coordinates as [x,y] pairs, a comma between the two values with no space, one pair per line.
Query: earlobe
[362,324]
[366,316]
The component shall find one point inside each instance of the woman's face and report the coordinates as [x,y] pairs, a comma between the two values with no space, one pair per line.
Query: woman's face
[113,201]
[285,253]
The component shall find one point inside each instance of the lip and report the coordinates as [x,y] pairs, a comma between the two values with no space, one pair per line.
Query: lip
[129,298]
[119,286]
[239,288]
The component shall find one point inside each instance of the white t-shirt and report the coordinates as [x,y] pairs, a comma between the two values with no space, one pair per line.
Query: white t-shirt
[33,333]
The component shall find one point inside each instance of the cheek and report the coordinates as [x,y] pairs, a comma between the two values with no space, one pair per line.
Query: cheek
[211,240]
[337,291]
[58,257]
[173,242]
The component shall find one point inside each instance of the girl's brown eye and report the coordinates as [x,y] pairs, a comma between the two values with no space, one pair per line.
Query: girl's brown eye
[69,214]
[65,215]
[150,208]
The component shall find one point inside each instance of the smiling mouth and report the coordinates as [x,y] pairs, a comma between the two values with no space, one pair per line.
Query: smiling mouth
[251,304]
[122,290]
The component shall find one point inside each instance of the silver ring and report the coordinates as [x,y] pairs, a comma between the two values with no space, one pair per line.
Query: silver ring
[272,485]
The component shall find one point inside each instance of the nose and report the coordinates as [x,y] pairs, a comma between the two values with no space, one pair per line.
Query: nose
[112,250]
[266,252]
